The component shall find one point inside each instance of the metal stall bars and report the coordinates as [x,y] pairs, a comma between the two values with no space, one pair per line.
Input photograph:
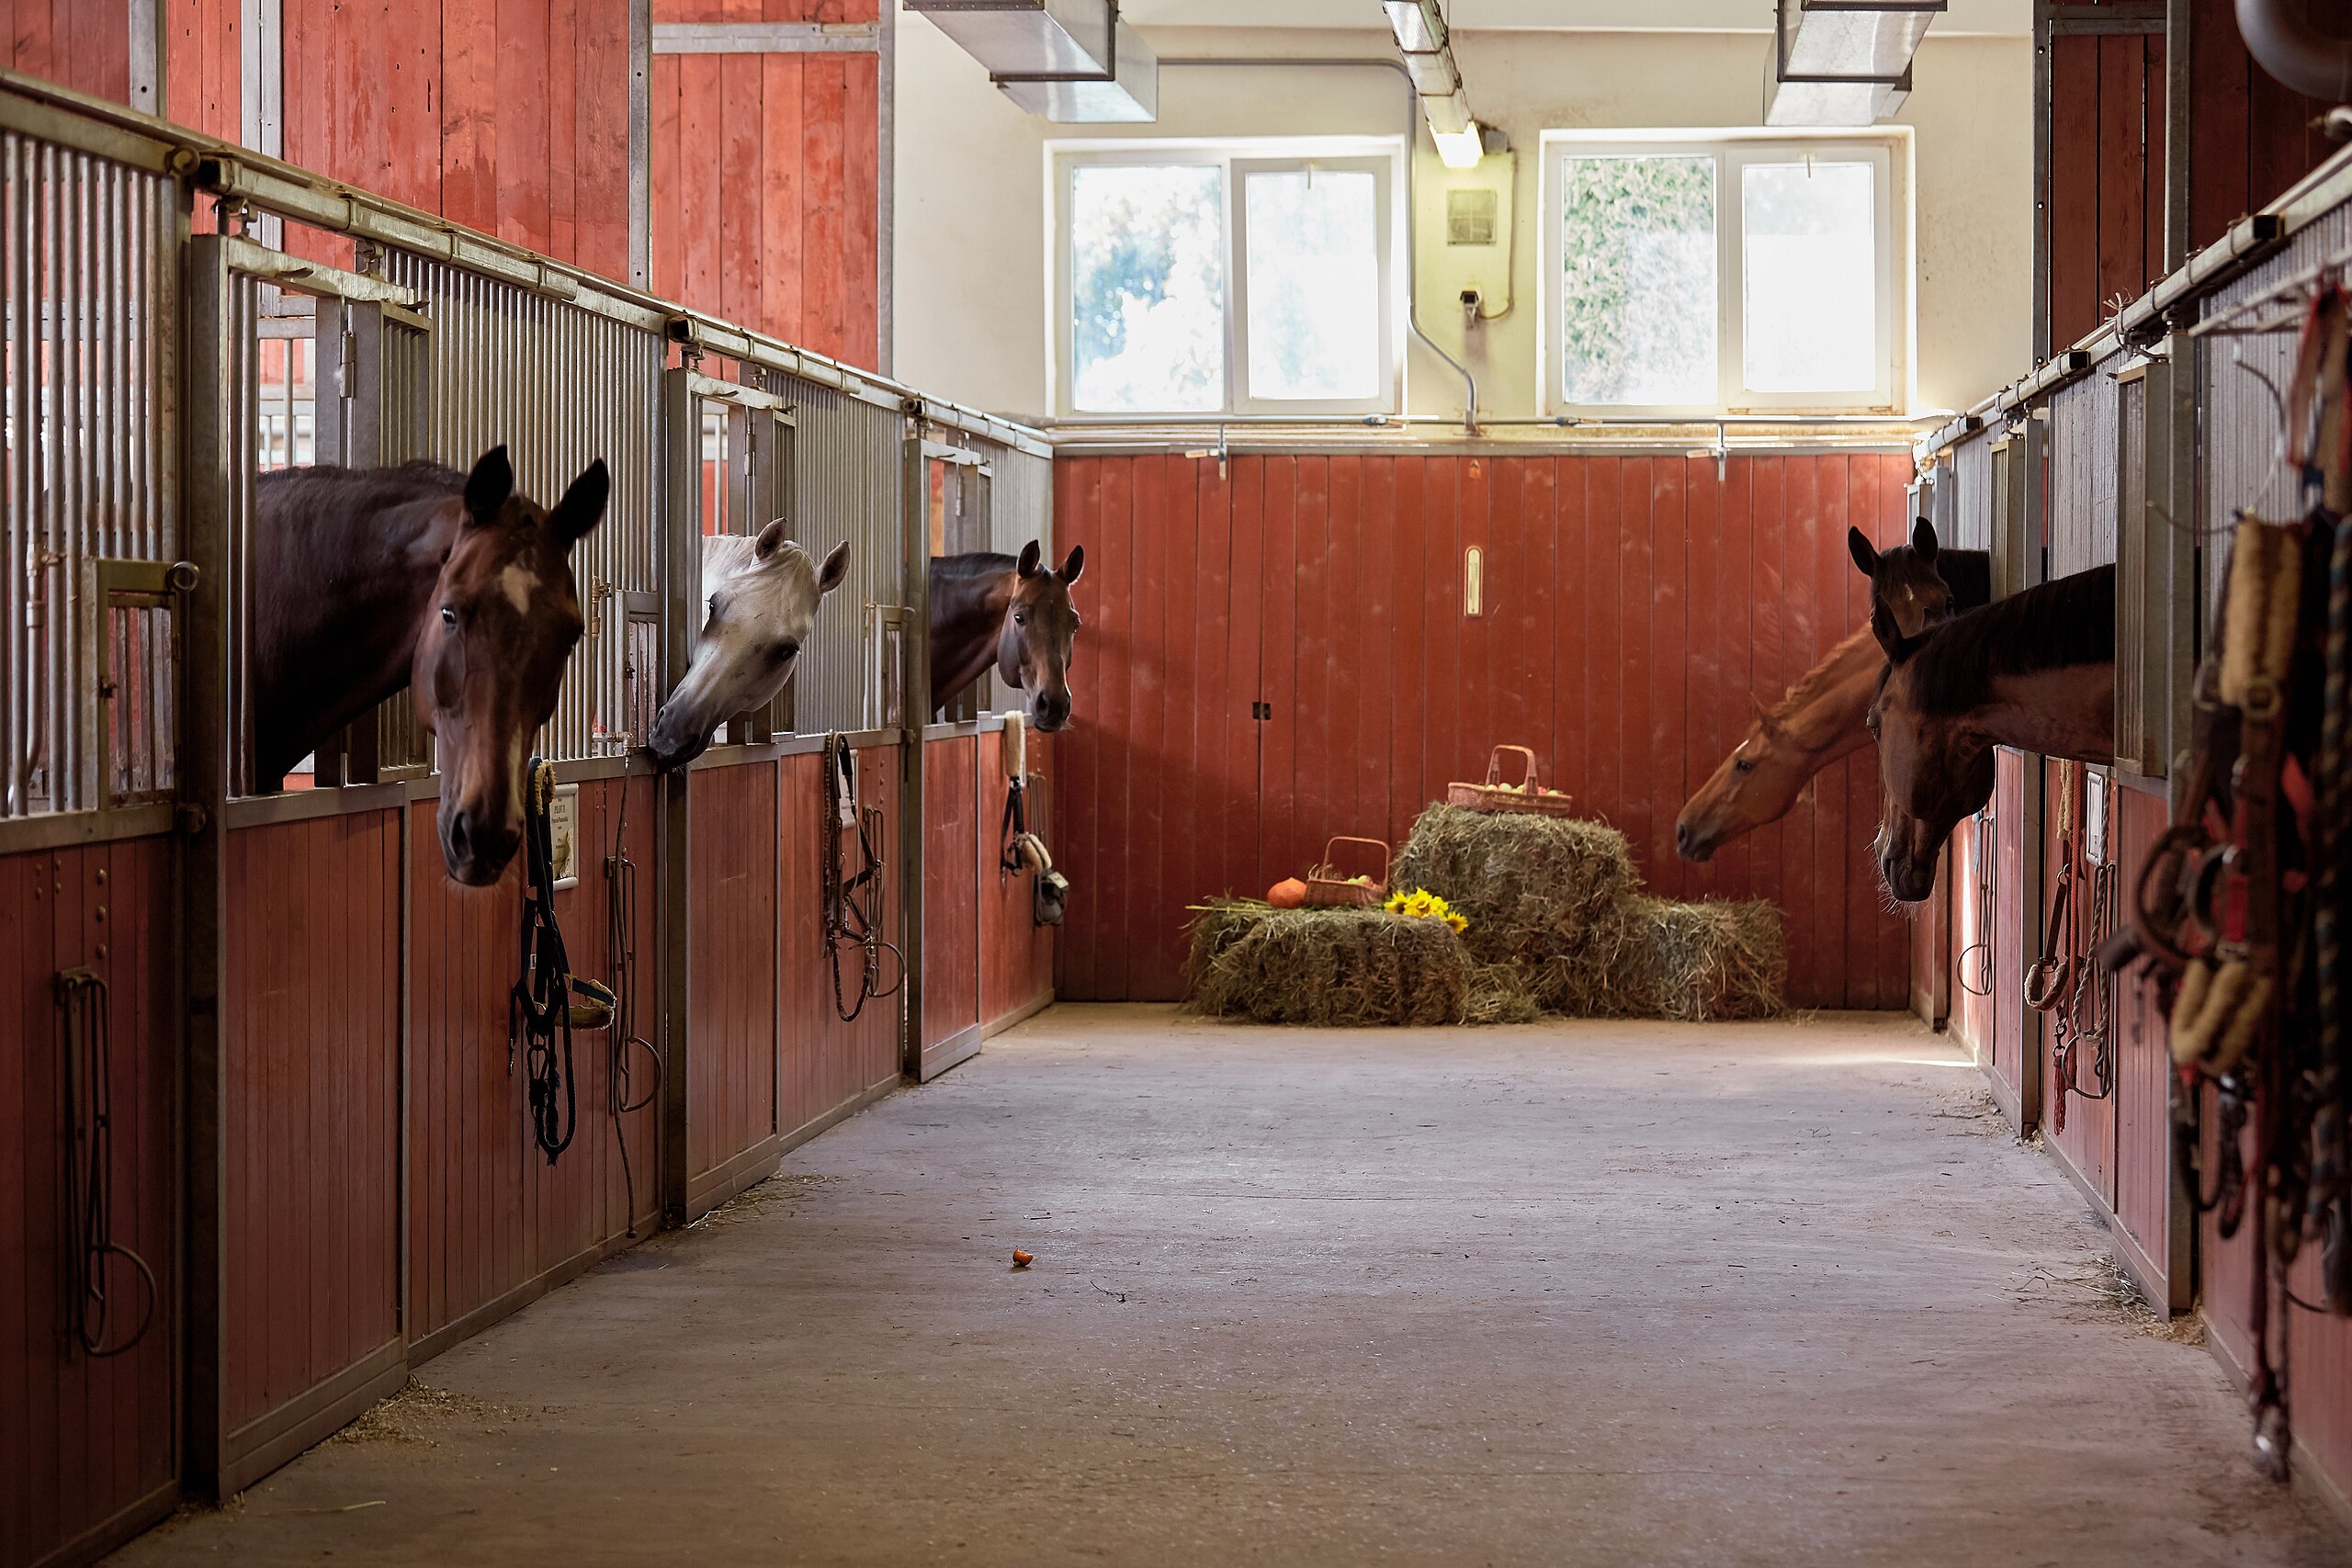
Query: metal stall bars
[95,608]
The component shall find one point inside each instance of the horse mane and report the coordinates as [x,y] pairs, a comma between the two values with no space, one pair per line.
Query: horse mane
[2048,626]
[1815,681]
[369,489]
[972,566]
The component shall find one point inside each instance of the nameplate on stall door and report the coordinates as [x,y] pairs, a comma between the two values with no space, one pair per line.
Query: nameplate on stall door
[2094,817]
[563,835]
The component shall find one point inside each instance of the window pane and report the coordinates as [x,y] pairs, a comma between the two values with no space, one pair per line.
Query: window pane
[1637,285]
[1811,276]
[1146,289]
[1314,284]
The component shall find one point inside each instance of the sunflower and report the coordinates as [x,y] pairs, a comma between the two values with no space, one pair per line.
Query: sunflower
[1396,905]
[1457,922]
[1421,904]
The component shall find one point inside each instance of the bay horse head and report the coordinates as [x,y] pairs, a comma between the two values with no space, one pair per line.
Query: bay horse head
[1935,767]
[1908,580]
[503,619]
[1819,721]
[1040,625]
[760,597]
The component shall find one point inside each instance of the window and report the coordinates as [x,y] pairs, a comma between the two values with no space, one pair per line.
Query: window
[1197,278]
[1725,275]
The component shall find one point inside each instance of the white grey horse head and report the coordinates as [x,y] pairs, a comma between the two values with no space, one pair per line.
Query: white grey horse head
[762,597]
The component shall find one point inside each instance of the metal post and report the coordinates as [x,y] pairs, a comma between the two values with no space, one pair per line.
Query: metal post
[680,535]
[640,144]
[914,564]
[208,369]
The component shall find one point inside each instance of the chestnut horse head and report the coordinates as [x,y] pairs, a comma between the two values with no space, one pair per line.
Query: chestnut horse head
[1920,584]
[503,618]
[1819,721]
[369,579]
[989,609]
[2035,670]
[762,595]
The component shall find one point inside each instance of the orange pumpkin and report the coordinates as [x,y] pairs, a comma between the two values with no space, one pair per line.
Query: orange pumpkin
[1290,893]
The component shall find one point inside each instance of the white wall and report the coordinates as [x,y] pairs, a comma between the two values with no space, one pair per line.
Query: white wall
[971,243]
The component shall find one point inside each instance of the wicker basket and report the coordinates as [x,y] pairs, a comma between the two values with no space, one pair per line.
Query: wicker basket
[1326,889]
[1525,797]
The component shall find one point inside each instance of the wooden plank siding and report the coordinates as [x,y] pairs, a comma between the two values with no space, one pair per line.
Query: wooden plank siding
[1016,952]
[950,889]
[825,1065]
[73,43]
[732,946]
[310,1026]
[1633,603]
[85,1442]
[490,1221]
[767,181]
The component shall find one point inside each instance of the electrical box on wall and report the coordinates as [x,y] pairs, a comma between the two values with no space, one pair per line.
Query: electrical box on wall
[1465,237]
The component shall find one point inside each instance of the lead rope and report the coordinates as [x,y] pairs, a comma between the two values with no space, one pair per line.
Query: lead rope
[848,921]
[2051,980]
[620,945]
[87,1014]
[2095,983]
[1981,950]
[539,1007]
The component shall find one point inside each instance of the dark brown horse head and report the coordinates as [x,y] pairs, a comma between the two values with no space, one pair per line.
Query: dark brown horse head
[1907,580]
[1934,768]
[1033,650]
[489,654]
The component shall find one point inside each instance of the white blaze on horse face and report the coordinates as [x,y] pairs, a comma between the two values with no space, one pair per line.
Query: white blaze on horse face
[519,582]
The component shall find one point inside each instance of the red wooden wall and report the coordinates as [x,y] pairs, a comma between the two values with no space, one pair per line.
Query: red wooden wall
[71,43]
[767,181]
[2106,177]
[1016,953]
[491,1222]
[828,1066]
[1632,606]
[732,968]
[83,1441]
[311,1027]
[950,888]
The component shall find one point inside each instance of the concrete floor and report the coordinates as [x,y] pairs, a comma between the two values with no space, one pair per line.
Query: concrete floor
[1645,1293]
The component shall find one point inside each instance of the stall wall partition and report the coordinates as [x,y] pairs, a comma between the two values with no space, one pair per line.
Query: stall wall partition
[1278,648]
[270,1138]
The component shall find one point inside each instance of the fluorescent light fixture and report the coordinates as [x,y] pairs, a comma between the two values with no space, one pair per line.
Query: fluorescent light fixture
[1460,149]
[1448,116]
[1419,26]
[1843,61]
[1027,37]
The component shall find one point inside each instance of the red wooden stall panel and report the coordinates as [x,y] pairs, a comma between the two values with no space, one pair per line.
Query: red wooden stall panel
[951,890]
[2086,1143]
[84,1442]
[1016,952]
[2016,928]
[1973,925]
[1632,607]
[2142,1061]
[311,1036]
[766,182]
[825,1063]
[491,1222]
[732,968]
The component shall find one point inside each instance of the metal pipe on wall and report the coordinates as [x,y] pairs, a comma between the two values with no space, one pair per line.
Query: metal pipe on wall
[1412,135]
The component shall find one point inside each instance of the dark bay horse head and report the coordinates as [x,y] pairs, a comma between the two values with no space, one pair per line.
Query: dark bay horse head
[503,619]
[1920,584]
[762,596]
[1819,721]
[1016,615]
[2035,670]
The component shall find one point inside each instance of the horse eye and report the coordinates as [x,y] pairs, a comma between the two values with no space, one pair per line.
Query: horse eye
[1020,617]
[1743,766]
[785,650]
[449,616]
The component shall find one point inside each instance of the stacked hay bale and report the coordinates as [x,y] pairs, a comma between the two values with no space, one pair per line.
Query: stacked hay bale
[1347,968]
[1558,899]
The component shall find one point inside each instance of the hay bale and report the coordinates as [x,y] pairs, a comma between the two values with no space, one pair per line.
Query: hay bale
[1702,962]
[1341,967]
[1541,894]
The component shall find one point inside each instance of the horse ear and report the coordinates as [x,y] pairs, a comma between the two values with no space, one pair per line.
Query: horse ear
[1764,719]
[1030,555]
[771,540]
[1073,564]
[582,506]
[836,566]
[489,485]
[1923,539]
[1898,648]
[1865,554]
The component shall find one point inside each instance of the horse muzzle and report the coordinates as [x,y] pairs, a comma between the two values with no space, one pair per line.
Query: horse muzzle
[675,743]
[1049,714]
[1693,845]
[476,852]
[1909,882]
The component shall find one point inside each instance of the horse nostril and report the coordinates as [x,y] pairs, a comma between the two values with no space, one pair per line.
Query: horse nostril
[459,835]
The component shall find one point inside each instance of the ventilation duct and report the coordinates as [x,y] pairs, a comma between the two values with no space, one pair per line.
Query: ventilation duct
[1074,62]
[1843,61]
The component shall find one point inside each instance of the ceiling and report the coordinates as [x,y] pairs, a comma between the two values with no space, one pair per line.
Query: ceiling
[1705,16]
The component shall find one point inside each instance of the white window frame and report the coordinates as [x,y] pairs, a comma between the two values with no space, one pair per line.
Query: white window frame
[1889,154]
[1236,158]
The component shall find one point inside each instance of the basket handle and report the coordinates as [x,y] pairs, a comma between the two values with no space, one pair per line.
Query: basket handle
[1495,766]
[1372,843]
